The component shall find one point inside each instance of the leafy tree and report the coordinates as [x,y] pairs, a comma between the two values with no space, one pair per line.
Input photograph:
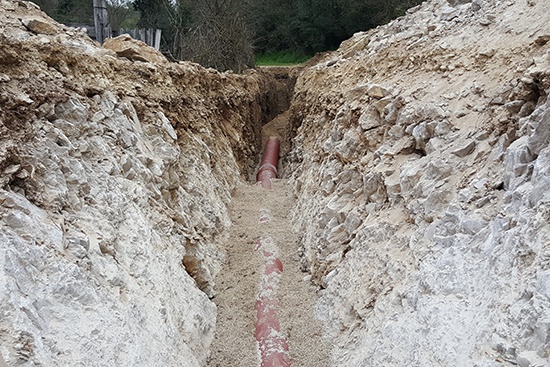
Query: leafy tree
[310,26]
[68,11]
[154,13]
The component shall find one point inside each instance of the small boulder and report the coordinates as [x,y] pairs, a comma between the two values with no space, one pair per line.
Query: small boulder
[376,91]
[477,5]
[449,13]
[126,46]
[530,359]
[369,119]
[458,2]
[40,26]
[381,104]
[465,150]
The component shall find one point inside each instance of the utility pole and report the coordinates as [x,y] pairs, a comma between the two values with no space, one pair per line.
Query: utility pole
[101,21]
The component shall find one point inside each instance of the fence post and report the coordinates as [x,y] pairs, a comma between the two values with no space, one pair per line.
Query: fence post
[158,32]
[101,21]
[150,36]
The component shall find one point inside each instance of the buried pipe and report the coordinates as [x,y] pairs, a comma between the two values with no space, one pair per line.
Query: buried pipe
[272,344]
[270,160]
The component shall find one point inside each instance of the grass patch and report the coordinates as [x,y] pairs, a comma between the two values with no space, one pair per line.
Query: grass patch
[281,58]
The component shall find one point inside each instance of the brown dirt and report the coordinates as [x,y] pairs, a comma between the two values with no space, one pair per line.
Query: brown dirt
[237,285]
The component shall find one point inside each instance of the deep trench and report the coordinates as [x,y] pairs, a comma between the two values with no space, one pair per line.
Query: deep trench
[274,102]
[238,284]
[275,115]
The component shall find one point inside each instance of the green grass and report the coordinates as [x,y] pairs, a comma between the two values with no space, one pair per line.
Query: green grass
[281,58]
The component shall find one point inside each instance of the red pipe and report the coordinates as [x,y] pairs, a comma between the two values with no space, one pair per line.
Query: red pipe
[270,160]
[271,340]
[272,343]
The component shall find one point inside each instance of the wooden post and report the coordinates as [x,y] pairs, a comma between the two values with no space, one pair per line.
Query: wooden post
[158,32]
[150,37]
[101,21]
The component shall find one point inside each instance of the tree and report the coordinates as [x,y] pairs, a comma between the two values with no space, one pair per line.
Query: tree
[122,14]
[68,11]
[172,17]
[310,26]
[225,34]
[220,36]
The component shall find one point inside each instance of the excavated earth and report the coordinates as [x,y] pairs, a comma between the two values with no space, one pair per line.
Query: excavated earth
[421,169]
[412,217]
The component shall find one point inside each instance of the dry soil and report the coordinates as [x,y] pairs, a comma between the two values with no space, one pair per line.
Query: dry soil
[238,282]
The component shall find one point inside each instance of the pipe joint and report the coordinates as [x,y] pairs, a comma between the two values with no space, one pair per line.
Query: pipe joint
[270,160]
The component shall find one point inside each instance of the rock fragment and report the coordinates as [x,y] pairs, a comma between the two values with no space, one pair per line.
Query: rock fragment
[41,27]
[126,46]
[376,91]
[465,150]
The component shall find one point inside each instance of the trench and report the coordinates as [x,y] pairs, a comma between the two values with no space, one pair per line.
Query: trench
[261,215]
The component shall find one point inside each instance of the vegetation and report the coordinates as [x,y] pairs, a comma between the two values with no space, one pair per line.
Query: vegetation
[225,34]
[281,58]
[219,36]
[121,15]
[68,11]
[310,26]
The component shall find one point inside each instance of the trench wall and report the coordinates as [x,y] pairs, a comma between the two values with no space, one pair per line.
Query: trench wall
[115,173]
[420,167]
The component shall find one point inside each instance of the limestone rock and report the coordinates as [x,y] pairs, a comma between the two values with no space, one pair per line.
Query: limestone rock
[422,230]
[458,2]
[103,184]
[167,126]
[465,150]
[126,46]
[41,26]
[422,133]
[381,104]
[376,91]
[449,259]
[530,359]
[369,119]
[477,5]
[449,13]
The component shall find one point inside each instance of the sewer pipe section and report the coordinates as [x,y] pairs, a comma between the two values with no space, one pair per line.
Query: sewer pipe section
[271,339]
[272,343]
[270,160]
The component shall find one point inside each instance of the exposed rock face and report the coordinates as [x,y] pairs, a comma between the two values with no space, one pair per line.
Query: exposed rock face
[424,210]
[114,180]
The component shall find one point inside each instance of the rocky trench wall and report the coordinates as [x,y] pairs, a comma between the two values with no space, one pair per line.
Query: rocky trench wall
[115,172]
[421,169]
